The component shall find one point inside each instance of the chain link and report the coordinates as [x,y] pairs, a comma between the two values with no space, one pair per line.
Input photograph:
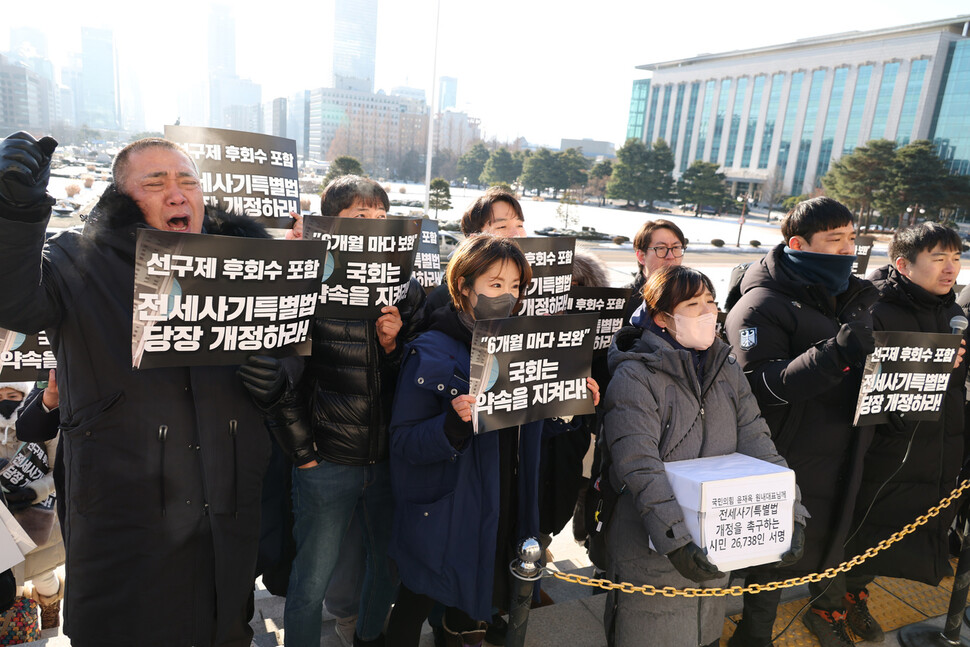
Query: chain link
[670,592]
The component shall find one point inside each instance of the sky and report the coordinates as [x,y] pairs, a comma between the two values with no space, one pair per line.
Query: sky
[543,70]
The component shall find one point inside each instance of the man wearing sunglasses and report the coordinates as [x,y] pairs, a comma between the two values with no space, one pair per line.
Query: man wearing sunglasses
[658,243]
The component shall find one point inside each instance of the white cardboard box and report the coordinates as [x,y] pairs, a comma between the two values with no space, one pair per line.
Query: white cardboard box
[739,509]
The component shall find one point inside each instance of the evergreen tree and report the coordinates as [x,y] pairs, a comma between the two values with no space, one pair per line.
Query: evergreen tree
[343,165]
[440,195]
[628,180]
[472,163]
[597,179]
[538,171]
[702,184]
[659,176]
[500,168]
[858,179]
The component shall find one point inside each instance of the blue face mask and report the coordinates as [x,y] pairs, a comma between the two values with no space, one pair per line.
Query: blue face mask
[498,307]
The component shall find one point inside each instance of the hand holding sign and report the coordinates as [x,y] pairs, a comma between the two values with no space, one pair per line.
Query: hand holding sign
[295,232]
[388,326]
[464,405]
[594,390]
[51,397]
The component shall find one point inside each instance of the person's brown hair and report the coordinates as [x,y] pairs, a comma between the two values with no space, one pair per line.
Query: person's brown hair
[644,237]
[479,214]
[119,165]
[474,256]
[669,286]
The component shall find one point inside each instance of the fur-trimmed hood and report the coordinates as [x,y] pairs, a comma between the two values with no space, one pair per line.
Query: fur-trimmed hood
[116,212]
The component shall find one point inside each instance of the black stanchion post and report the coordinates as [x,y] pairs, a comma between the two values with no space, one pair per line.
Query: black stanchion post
[923,634]
[525,573]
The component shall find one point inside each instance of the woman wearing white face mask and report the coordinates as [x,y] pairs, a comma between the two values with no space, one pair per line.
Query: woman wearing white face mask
[676,393]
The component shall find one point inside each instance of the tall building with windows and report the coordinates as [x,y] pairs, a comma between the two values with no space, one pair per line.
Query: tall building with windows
[774,118]
[447,93]
[98,105]
[354,44]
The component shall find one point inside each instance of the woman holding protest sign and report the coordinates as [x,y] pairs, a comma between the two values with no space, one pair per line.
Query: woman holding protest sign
[676,393]
[462,500]
[27,479]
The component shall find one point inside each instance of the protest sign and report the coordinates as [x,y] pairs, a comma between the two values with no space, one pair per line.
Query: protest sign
[24,358]
[740,509]
[29,464]
[427,261]
[863,249]
[530,368]
[907,373]
[245,173]
[208,300]
[368,266]
[552,273]
[608,303]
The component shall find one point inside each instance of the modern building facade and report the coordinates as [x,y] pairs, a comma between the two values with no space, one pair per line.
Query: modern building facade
[354,44]
[591,148]
[447,93]
[99,104]
[774,118]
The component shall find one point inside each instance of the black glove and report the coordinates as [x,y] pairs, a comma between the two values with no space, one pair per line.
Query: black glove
[896,427]
[265,380]
[691,562]
[855,342]
[25,168]
[286,417]
[20,498]
[794,552]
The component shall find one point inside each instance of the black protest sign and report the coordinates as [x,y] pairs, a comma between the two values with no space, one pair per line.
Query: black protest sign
[245,173]
[210,300]
[719,328]
[368,265]
[552,274]
[530,368]
[24,358]
[608,304]
[908,373]
[863,249]
[427,262]
[29,464]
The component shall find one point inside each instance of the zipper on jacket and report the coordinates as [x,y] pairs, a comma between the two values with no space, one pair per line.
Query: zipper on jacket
[235,470]
[162,436]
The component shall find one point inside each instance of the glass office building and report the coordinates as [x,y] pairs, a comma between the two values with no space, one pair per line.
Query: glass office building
[780,115]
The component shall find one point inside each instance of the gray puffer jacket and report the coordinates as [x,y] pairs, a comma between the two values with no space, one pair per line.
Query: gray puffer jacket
[656,410]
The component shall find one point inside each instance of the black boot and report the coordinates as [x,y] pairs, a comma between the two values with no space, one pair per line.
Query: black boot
[473,638]
[360,642]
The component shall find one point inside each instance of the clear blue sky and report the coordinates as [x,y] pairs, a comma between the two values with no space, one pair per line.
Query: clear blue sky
[542,69]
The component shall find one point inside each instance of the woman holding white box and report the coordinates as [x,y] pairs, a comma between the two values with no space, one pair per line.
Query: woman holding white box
[677,393]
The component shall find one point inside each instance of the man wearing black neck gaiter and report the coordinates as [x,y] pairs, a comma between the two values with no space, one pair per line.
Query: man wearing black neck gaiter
[802,331]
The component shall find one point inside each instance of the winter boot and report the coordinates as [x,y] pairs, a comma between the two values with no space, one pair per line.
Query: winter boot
[466,638]
[828,627]
[50,606]
[859,619]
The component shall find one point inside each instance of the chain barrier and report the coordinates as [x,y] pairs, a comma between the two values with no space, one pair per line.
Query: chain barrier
[671,592]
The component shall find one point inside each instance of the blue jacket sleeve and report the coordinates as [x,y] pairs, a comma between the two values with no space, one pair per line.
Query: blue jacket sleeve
[418,422]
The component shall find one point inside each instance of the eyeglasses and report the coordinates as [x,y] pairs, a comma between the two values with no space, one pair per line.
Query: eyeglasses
[677,251]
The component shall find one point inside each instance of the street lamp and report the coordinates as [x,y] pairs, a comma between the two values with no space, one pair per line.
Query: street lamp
[743,199]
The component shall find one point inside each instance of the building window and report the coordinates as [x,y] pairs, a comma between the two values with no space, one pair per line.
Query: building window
[808,130]
[678,109]
[788,125]
[735,121]
[951,119]
[719,120]
[768,131]
[653,113]
[852,129]
[831,123]
[759,85]
[689,127]
[914,86]
[886,87]
[664,111]
[705,118]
